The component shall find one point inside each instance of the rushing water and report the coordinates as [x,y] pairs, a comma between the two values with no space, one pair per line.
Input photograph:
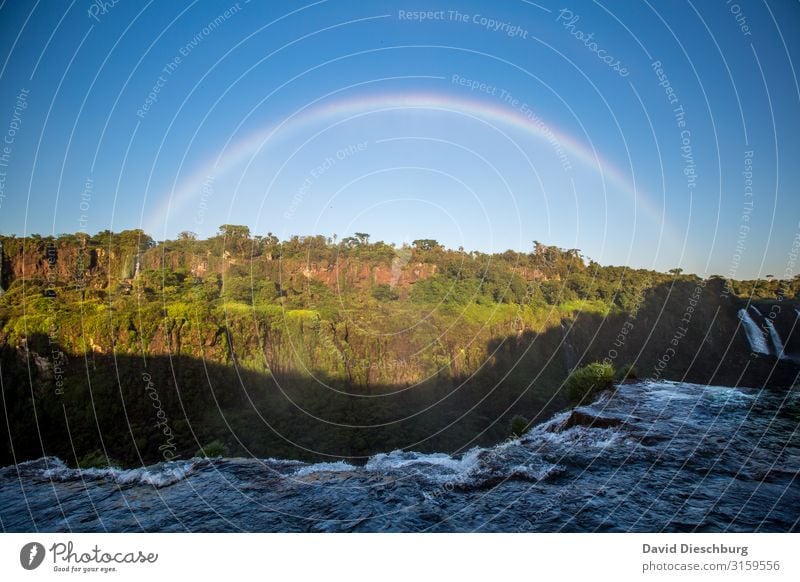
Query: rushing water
[758,343]
[777,344]
[671,457]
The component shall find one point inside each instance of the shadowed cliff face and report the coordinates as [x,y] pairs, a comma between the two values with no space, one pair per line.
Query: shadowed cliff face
[302,353]
[691,331]
[166,407]
[168,404]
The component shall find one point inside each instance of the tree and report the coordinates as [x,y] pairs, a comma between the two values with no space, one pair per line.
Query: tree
[581,285]
[555,292]
[384,292]
[426,244]
[187,235]
[236,237]
[136,239]
[350,242]
[234,231]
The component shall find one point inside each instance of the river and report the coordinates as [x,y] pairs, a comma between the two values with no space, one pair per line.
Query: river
[662,457]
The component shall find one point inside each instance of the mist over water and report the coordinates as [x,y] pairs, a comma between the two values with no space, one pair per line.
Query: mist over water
[671,457]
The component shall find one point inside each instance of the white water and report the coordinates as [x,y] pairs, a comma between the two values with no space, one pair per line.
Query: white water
[758,343]
[401,459]
[551,479]
[777,343]
[161,475]
[334,467]
[776,339]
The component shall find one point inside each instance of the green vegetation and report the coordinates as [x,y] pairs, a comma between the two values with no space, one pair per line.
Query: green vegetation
[584,383]
[519,426]
[97,459]
[626,372]
[315,345]
[384,292]
[213,449]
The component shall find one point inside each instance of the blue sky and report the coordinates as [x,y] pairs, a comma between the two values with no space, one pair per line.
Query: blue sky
[486,129]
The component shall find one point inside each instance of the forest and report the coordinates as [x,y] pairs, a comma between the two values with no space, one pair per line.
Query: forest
[116,348]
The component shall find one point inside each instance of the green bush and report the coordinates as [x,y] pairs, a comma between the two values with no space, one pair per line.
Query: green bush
[97,459]
[212,449]
[384,292]
[585,382]
[627,372]
[519,425]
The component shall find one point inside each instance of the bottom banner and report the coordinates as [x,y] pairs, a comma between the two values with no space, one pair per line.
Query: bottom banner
[332,557]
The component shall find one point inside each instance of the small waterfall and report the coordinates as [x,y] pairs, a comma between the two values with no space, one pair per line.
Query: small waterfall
[758,343]
[567,349]
[777,344]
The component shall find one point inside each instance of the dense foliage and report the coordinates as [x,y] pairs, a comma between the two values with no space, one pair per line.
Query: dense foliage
[584,383]
[320,346]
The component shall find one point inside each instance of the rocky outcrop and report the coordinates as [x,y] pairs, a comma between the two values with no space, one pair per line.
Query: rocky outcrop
[73,262]
[363,274]
[585,418]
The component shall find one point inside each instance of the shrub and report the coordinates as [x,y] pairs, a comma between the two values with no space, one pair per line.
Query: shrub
[212,449]
[585,382]
[97,460]
[519,425]
[627,372]
[384,292]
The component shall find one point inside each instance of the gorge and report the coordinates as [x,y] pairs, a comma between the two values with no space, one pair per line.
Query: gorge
[116,349]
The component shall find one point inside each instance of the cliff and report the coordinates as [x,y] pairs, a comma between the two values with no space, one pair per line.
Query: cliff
[310,349]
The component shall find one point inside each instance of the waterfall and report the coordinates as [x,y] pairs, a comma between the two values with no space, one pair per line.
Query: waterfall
[776,339]
[777,343]
[758,343]
[568,350]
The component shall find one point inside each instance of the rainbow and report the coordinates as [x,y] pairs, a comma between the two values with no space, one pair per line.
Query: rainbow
[326,110]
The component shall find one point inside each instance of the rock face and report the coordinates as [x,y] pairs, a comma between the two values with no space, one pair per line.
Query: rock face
[70,261]
[435,354]
[361,275]
[579,417]
[686,330]
[692,333]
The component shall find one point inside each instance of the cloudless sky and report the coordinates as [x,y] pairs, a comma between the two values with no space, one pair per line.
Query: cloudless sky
[341,116]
